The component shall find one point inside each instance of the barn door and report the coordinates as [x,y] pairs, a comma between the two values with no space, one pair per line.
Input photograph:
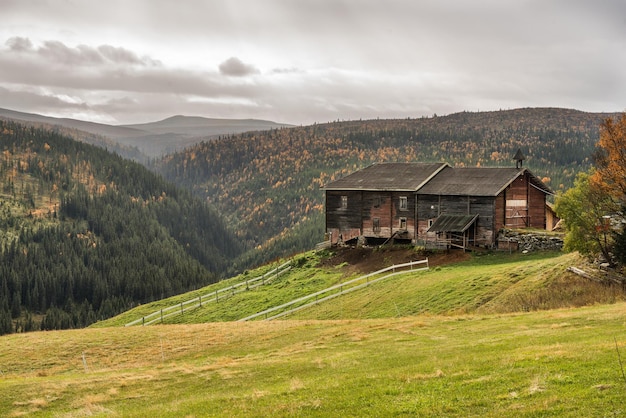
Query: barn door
[516,213]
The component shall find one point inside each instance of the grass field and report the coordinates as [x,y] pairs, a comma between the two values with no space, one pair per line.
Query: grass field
[548,363]
[492,336]
[492,283]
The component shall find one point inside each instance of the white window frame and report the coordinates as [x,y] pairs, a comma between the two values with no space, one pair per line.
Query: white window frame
[404,203]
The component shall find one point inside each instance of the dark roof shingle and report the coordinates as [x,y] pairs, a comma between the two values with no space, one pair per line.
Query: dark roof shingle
[389,177]
[475,181]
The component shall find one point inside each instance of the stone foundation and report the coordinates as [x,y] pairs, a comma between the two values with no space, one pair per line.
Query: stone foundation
[531,241]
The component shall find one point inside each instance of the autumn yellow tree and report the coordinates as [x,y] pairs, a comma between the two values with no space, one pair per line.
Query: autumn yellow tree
[610,159]
[610,178]
[594,208]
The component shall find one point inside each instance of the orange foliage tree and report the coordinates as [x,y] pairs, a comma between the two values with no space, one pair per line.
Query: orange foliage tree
[610,177]
[611,158]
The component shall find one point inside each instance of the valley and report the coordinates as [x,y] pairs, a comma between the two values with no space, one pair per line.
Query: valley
[95,241]
[219,207]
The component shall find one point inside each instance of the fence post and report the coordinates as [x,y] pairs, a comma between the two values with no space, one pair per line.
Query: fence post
[200,300]
[181,308]
[161,315]
[217,298]
[143,321]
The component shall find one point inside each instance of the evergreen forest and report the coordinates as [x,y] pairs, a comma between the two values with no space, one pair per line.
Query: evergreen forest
[86,234]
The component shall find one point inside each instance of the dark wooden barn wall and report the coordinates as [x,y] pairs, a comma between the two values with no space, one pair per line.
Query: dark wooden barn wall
[366,206]
[429,207]
[517,203]
[536,207]
[343,223]
[500,212]
[525,204]
[377,205]
[385,206]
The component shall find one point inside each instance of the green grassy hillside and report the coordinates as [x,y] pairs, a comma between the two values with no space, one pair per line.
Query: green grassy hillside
[489,283]
[452,341]
[563,363]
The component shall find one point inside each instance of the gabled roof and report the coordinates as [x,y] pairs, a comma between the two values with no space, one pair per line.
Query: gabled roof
[389,177]
[477,181]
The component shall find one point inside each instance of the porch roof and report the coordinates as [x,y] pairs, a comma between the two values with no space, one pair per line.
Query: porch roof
[452,223]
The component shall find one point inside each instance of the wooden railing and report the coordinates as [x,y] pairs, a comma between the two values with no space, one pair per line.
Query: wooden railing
[216,296]
[337,290]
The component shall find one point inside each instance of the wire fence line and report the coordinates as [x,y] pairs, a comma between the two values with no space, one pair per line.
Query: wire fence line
[216,296]
[337,290]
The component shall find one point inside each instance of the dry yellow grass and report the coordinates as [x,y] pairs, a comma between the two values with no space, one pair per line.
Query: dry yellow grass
[563,362]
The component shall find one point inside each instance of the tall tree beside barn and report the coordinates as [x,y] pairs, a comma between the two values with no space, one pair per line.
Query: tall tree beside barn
[594,208]
[610,175]
[584,209]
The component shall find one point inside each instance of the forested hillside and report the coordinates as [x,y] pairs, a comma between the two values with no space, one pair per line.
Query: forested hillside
[85,234]
[268,184]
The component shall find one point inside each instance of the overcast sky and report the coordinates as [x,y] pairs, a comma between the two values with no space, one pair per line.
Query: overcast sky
[306,61]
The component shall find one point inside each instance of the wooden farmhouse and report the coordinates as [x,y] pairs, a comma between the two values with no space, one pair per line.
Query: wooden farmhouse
[433,203]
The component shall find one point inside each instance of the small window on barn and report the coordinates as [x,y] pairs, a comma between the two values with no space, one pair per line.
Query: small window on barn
[402,223]
[377,202]
[430,222]
[376,224]
[344,202]
[404,203]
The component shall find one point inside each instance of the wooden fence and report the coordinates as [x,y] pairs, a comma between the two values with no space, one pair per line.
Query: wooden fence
[216,296]
[336,290]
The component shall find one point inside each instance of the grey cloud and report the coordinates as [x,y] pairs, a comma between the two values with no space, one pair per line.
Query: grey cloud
[301,62]
[122,55]
[19,44]
[292,70]
[237,68]
[130,79]
[36,101]
[57,52]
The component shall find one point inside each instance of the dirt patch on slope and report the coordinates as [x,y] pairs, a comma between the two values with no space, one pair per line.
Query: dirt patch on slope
[367,259]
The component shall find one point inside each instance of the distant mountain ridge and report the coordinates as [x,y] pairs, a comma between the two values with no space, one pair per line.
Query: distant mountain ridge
[110,131]
[197,125]
[154,139]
